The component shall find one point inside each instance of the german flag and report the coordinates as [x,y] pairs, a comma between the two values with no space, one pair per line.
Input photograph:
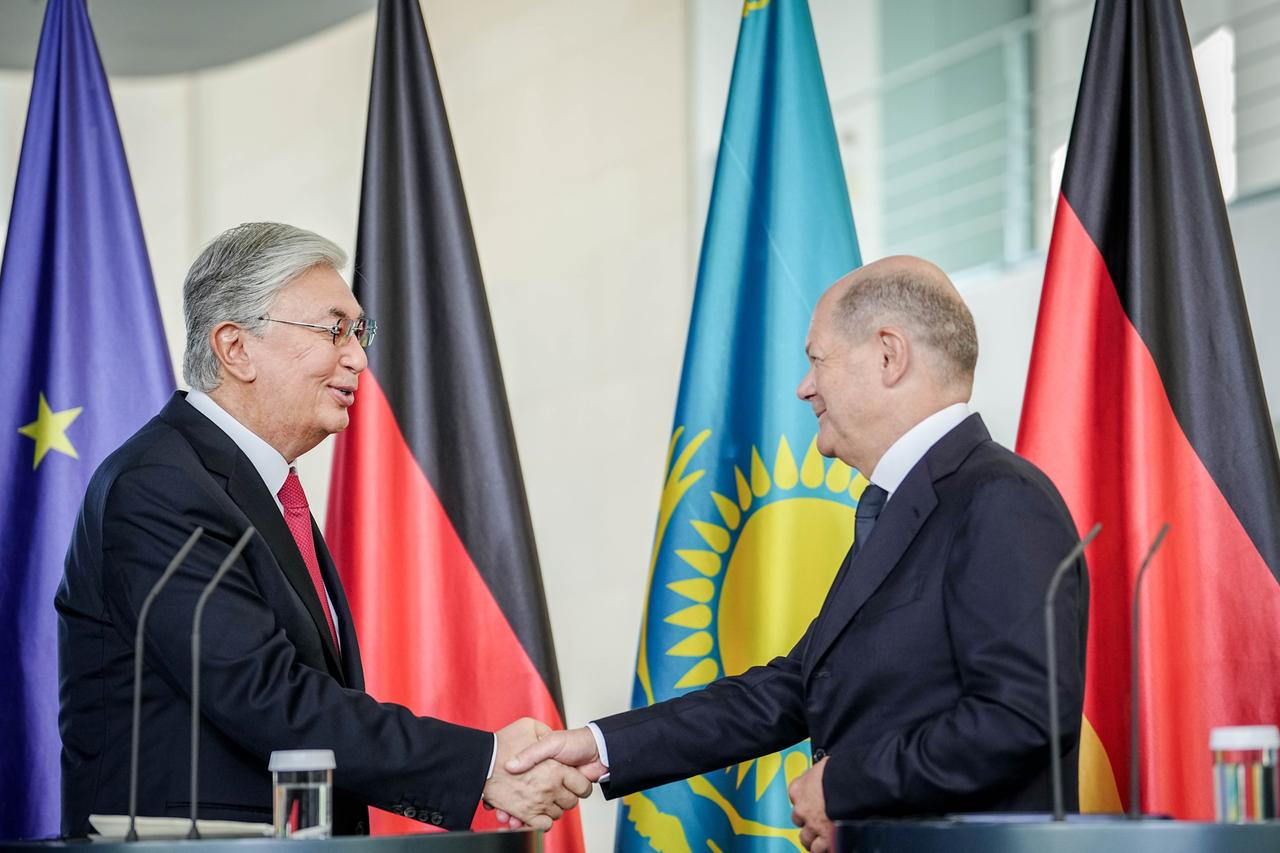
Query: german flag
[427,519]
[1145,405]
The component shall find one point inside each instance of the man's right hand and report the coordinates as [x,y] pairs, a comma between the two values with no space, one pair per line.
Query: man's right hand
[574,748]
[543,793]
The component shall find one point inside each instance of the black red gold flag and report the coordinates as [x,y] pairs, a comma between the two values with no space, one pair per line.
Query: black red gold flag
[427,517]
[1145,405]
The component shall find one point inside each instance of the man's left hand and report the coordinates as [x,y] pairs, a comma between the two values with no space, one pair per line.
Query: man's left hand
[809,811]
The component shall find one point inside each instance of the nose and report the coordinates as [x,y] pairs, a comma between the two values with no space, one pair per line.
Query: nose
[353,356]
[807,387]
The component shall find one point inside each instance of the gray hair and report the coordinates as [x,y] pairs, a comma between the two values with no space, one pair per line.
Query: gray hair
[236,278]
[931,311]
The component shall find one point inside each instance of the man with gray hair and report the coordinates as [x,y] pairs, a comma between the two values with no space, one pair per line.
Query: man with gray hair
[275,349]
[922,682]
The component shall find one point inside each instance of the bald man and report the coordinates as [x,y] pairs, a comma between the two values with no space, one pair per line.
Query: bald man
[922,681]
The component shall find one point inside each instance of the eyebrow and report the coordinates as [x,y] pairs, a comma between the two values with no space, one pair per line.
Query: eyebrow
[339,314]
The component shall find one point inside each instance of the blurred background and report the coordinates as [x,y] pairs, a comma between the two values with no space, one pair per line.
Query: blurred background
[587,134]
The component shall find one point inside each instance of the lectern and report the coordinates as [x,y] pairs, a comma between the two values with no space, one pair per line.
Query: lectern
[1087,835]
[521,841]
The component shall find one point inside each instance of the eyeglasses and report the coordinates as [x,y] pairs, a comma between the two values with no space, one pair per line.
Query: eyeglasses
[362,329]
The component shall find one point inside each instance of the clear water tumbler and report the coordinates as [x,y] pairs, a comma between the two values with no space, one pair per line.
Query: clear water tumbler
[1244,773]
[302,792]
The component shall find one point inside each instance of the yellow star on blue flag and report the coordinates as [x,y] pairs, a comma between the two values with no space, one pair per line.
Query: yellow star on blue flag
[49,431]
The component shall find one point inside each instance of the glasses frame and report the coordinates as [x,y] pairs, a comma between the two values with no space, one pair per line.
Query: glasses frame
[370,329]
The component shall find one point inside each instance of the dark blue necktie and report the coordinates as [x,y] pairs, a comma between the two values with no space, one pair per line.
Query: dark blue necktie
[864,521]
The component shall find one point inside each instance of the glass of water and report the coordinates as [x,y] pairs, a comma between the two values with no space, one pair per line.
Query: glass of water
[302,792]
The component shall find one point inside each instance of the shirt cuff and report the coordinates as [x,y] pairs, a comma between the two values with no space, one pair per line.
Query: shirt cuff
[601,748]
[493,759]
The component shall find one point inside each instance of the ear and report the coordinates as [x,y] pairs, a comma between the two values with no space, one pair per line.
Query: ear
[228,343]
[895,355]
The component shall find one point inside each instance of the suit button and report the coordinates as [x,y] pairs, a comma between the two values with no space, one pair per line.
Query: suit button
[411,812]
[361,829]
[818,755]
[437,818]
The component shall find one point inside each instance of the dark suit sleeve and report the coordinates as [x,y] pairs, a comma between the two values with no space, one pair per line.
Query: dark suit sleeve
[1013,534]
[733,719]
[253,689]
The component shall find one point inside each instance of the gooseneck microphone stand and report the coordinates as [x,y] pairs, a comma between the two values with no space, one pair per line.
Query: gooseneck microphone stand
[1135,792]
[193,832]
[169,570]
[1055,727]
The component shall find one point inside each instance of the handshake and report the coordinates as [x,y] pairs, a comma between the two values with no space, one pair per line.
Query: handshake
[538,774]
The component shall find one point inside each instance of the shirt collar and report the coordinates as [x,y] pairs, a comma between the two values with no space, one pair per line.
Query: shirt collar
[267,461]
[912,445]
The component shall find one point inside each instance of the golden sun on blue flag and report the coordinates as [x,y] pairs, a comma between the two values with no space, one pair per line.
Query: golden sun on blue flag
[753,522]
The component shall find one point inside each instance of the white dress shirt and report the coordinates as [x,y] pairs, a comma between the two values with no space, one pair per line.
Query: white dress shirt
[913,444]
[897,462]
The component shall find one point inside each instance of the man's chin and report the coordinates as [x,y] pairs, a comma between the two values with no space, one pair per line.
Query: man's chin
[339,421]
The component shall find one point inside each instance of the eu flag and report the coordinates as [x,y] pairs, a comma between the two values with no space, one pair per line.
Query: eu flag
[753,522]
[86,366]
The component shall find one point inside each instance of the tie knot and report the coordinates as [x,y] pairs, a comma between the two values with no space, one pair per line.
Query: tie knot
[871,502]
[291,494]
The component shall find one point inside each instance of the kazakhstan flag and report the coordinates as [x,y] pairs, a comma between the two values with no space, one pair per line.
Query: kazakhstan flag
[753,522]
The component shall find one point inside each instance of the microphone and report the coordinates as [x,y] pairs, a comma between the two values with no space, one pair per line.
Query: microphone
[1135,704]
[132,834]
[1055,733]
[194,833]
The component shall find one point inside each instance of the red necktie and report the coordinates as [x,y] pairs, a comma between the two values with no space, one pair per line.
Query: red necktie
[298,516]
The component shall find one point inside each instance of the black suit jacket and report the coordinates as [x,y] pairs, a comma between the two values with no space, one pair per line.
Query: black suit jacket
[923,677]
[270,677]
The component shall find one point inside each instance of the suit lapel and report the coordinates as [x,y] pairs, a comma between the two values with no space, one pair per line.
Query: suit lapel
[862,575]
[352,668]
[841,574]
[903,516]
[824,612]
[255,500]
[245,487]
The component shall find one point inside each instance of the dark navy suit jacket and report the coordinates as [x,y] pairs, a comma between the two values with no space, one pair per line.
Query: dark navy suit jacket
[923,677]
[270,676]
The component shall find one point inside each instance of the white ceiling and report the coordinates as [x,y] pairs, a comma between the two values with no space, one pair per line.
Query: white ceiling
[176,36]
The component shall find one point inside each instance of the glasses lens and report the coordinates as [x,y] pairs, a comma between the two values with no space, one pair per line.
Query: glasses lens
[364,330]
